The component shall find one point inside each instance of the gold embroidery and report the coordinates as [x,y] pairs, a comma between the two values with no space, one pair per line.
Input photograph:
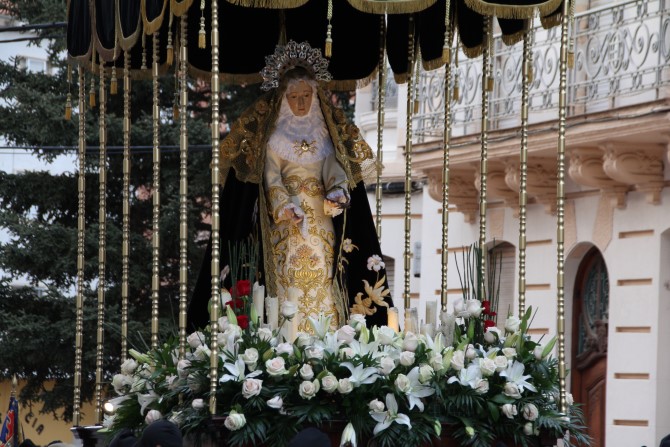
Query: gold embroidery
[304,147]
[310,186]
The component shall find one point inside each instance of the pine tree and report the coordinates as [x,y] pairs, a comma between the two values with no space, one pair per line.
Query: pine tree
[39,210]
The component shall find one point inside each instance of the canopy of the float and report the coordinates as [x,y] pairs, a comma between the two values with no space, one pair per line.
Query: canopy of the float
[250,29]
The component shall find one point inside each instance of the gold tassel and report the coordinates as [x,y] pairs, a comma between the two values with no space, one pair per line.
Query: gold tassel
[113,88]
[68,107]
[169,56]
[457,89]
[571,46]
[202,36]
[329,35]
[446,48]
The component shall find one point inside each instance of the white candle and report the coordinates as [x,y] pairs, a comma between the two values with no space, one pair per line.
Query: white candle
[393,319]
[431,312]
[259,301]
[294,295]
[272,308]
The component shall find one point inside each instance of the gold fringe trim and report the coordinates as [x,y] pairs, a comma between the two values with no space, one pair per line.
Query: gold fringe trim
[511,39]
[391,6]
[434,64]
[474,51]
[178,8]
[106,54]
[551,21]
[400,78]
[154,25]
[126,42]
[269,4]
[512,11]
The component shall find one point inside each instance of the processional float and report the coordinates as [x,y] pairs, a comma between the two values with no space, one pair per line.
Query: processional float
[113,42]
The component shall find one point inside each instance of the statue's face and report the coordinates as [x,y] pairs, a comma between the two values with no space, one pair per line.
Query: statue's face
[299,96]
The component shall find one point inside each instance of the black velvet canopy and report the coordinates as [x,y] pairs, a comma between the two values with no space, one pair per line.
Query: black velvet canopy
[249,30]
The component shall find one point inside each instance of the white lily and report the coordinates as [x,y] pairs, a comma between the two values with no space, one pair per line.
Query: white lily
[470,376]
[329,344]
[320,325]
[417,390]
[236,371]
[362,348]
[386,418]
[361,375]
[146,399]
[348,436]
[514,373]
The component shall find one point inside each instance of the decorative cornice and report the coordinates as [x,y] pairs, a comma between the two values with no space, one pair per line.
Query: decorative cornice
[586,168]
[640,165]
[540,181]
[462,193]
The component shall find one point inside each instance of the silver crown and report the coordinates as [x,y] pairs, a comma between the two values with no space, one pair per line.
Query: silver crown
[293,55]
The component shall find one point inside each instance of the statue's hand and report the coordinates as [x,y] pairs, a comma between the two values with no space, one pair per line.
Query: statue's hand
[338,196]
[293,213]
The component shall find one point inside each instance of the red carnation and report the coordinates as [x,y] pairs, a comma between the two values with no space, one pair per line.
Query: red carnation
[242,288]
[243,321]
[488,324]
[237,303]
[486,305]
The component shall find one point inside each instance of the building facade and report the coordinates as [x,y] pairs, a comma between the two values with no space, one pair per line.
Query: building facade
[617,209]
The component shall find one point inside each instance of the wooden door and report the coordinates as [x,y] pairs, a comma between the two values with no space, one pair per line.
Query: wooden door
[589,343]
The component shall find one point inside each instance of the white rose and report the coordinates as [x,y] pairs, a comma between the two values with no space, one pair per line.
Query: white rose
[512,390]
[509,410]
[492,334]
[275,403]
[120,382]
[202,352]
[425,373]
[386,365]
[512,324]
[501,362]
[289,309]
[195,339]
[250,358]
[223,323]
[284,348]
[194,384]
[385,335]
[407,358]
[264,334]
[436,361]
[530,412]
[198,404]
[402,383]
[482,386]
[235,421]
[510,353]
[153,416]
[314,352]
[303,339]
[470,352]
[458,360]
[308,389]
[251,387]
[376,406]
[226,297]
[528,428]
[346,334]
[357,321]
[221,339]
[129,366]
[346,353]
[275,366]
[410,342]
[233,332]
[306,372]
[487,366]
[329,383]
[459,308]
[182,367]
[344,386]
[537,352]
[474,308]
[569,399]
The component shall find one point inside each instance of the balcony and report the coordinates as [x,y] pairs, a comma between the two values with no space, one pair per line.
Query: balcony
[618,112]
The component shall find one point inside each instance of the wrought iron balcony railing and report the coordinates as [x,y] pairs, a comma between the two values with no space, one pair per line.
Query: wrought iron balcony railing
[622,58]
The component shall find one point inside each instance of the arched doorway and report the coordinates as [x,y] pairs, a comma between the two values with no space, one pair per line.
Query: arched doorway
[589,342]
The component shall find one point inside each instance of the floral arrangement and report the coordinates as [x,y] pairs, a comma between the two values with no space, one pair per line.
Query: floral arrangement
[385,385]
